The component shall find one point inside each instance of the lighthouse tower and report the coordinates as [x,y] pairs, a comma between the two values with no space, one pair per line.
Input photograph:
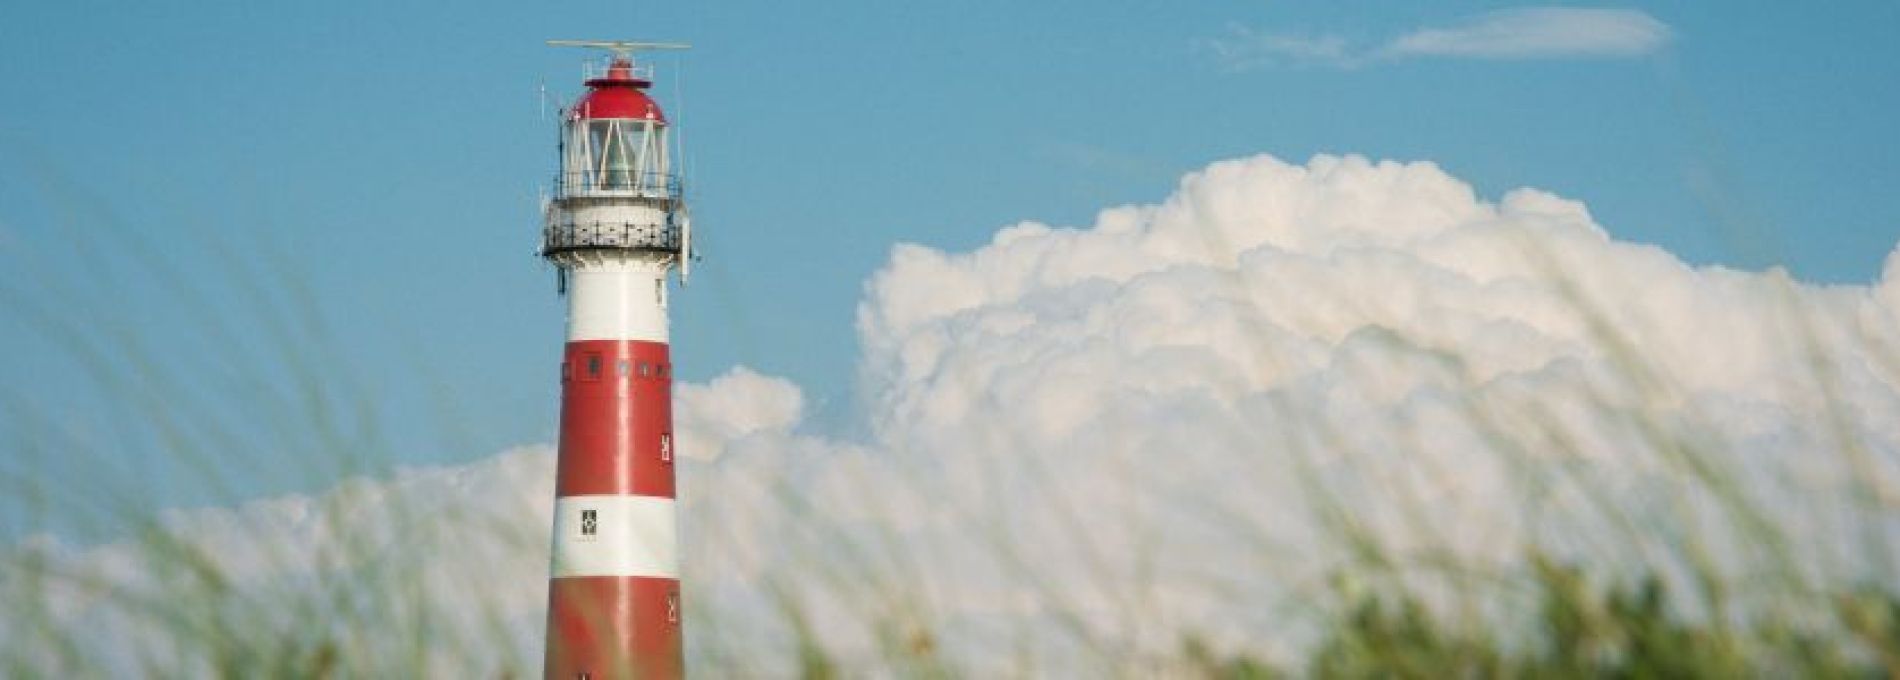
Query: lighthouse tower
[616,228]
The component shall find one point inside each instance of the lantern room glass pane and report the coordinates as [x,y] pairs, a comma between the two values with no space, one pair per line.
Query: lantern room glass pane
[618,151]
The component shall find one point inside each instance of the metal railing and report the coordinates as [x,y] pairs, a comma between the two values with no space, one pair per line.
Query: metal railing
[591,70]
[654,185]
[622,235]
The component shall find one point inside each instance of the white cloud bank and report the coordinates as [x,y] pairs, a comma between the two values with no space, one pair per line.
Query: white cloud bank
[1514,34]
[1087,443]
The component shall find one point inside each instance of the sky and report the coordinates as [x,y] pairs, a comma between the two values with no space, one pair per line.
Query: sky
[377,165]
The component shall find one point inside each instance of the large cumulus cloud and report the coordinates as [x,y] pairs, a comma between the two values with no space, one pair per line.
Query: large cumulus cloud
[1179,417]
[1086,443]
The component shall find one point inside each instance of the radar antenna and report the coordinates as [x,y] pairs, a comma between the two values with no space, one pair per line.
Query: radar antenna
[620,48]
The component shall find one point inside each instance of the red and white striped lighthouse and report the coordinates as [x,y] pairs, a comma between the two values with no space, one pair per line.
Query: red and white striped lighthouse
[616,227]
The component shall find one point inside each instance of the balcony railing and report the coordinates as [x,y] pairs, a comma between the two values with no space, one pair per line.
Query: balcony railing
[591,70]
[615,235]
[652,185]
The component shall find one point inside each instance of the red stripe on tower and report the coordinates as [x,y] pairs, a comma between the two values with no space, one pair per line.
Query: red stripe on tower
[616,228]
[615,400]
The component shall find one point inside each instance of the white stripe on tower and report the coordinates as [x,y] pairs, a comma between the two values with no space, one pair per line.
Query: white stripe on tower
[616,536]
[618,299]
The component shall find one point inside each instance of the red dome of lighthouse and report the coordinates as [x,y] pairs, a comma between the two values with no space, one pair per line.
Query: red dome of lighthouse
[617,95]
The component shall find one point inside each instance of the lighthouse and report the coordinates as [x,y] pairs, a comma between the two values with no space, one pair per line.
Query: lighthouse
[616,229]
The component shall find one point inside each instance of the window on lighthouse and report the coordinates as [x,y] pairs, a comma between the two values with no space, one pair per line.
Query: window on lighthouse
[618,152]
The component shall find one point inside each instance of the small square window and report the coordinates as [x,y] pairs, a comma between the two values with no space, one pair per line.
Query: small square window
[592,371]
[645,369]
[623,368]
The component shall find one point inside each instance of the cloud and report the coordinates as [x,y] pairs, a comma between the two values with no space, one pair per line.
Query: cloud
[1087,442]
[1175,414]
[450,554]
[1244,47]
[731,407]
[1514,34]
[1539,33]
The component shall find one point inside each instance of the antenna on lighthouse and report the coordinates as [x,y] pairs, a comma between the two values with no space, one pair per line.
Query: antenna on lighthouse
[686,246]
[620,48]
[686,178]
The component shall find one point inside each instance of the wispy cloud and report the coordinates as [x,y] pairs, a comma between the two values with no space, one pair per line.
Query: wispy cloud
[1523,33]
[1539,33]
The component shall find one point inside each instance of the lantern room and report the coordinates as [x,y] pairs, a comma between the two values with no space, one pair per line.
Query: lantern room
[613,140]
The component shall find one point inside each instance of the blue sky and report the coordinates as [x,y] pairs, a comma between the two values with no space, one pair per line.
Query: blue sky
[384,160]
